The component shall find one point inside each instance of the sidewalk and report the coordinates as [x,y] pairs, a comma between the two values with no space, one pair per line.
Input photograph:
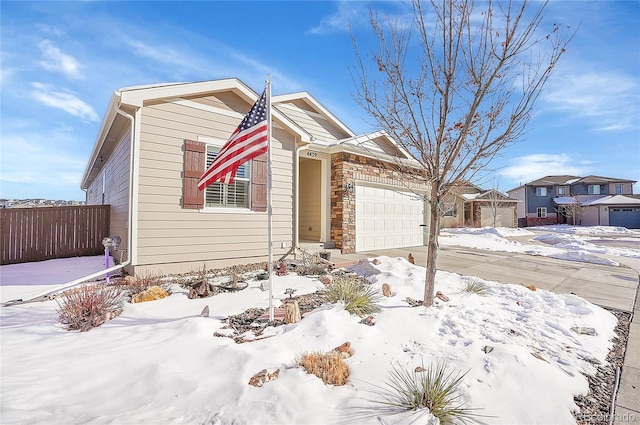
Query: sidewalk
[607,286]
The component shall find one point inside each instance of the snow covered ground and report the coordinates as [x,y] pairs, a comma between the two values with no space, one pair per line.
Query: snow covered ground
[562,242]
[159,363]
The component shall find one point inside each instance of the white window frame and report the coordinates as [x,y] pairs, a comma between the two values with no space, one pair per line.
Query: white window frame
[619,189]
[541,212]
[593,189]
[243,178]
[541,191]
[561,190]
[450,210]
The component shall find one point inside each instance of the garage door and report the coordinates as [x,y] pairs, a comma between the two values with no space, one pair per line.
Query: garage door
[387,218]
[504,217]
[625,217]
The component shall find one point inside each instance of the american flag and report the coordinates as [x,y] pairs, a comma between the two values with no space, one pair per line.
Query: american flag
[248,141]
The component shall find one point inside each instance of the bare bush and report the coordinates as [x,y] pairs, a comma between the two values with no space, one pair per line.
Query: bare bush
[89,306]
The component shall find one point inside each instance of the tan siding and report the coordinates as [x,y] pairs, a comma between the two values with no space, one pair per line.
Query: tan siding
[172,239]
[314,124]
[116,193]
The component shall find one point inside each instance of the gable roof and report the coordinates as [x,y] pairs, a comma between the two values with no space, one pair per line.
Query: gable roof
[312,116]
[570,180]
[554,180]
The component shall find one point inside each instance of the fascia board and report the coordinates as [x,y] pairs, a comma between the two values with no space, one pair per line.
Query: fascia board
[137,96]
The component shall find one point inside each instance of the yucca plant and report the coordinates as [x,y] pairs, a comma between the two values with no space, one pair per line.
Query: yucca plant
[433,388]
[473,285]
[359,298]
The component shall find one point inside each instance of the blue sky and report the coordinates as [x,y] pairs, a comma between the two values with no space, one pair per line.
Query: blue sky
[61,61]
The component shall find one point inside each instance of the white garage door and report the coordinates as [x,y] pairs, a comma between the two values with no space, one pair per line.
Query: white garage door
[387,218]
[504,217]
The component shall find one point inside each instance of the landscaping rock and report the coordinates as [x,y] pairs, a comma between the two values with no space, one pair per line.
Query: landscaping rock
[386,290]
[375,261]
[369,321]
[345,350]
[205,311]
[263,376]
[411,259]
[326,279]
[150,294]
[442,296]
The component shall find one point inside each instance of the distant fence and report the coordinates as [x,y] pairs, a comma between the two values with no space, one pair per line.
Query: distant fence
[45,233]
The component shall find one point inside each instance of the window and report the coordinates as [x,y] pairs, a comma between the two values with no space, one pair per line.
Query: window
[594,189]
[450,210]
[561,191]
[618,189]
[542,212]
[234,195]
[248,191]
[541,191]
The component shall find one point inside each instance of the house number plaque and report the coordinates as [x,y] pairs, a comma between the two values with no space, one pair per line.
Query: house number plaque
[311,154]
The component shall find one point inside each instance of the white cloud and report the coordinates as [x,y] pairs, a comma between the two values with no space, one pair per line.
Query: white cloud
[55,60]
[348,14]
[608,100]
[64,100]
[531,167]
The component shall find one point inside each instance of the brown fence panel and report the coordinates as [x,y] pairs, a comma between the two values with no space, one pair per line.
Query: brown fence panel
[36,234]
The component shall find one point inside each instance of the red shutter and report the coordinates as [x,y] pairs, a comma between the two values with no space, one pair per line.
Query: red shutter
[259,183]
[194,163]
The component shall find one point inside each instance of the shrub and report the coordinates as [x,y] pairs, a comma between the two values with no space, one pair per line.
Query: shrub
[330,367]
[432,388]
[281,269]
[89,306]
[473,285]
[141,282]
[310,264]
[359,298]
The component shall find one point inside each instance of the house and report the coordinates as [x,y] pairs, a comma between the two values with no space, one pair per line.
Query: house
[586,201]
[470,206]
[330,186]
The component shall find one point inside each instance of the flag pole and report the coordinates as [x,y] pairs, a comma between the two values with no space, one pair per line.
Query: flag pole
[269,187]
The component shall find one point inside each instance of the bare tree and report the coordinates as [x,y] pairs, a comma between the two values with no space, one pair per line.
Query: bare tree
[455,87]
[496,202]
[572,209]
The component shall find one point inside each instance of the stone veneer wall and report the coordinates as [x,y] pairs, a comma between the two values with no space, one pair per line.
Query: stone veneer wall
[346,169]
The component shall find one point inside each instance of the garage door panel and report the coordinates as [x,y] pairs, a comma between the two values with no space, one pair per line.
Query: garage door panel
[624,217]
[387,218]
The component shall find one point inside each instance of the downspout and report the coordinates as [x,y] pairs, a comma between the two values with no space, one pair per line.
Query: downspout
[75,282]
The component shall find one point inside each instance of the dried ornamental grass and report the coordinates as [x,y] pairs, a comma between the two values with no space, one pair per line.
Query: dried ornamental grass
[433,388]
[330,367]
[89,306]
[358,298]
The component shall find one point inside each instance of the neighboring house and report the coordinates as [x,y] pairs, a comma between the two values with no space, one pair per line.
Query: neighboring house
[471,206]
[330,185]
[590,201]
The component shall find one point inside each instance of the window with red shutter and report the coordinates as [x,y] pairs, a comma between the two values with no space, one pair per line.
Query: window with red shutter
[194,154]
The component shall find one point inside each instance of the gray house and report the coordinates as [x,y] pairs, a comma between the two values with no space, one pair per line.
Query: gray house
[589,201]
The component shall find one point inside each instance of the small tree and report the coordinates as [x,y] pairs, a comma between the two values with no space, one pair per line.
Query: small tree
[495,202]
[572,210]
[456,86]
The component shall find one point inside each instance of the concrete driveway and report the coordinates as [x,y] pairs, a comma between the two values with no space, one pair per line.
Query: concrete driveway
[606,286]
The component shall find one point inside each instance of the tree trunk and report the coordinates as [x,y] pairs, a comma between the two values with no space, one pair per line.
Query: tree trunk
[432,247]
[292,312]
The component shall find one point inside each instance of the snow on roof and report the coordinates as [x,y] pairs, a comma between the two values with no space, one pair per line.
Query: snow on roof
[614,200]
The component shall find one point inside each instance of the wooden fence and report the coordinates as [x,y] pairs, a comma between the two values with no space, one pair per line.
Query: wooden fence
[36,234]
